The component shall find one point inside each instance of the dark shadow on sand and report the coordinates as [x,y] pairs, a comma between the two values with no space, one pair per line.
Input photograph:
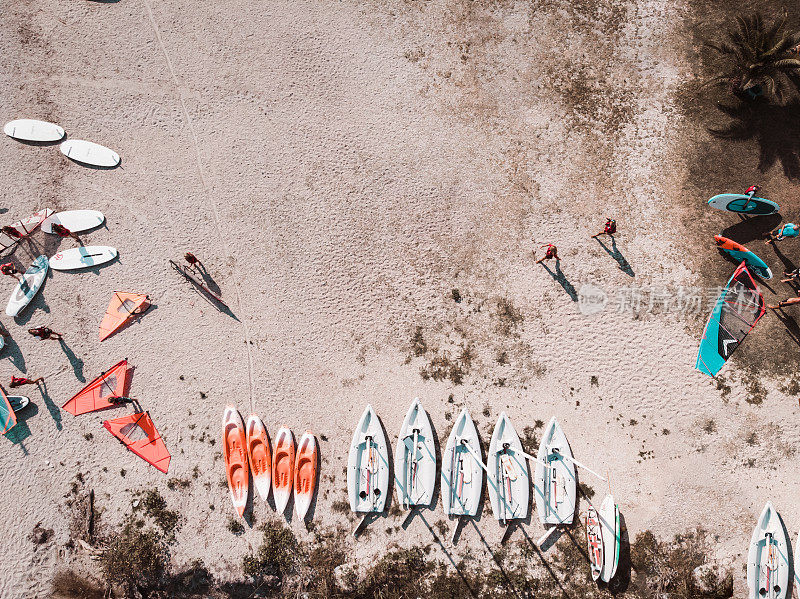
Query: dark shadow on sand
[546,565]
[21,430]
[55,411]
[559,278]
[14,354]
[614,252]
[75,361]
[792,328]
[751,228]
[788,265]
[776,130]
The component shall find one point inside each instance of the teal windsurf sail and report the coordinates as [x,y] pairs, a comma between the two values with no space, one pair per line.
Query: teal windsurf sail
[7,417]
[738,309]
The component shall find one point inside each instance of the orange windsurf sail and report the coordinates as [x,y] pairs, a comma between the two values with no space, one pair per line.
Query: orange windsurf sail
[94,396]
[138,433]
[7,417]
[123,306]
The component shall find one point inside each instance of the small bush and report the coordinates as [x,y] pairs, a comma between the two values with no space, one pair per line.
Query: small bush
[135,557]
[418,345]
[235,526]
[69,585]
[277,554]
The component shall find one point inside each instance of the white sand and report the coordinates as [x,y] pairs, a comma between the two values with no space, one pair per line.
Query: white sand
[340,167]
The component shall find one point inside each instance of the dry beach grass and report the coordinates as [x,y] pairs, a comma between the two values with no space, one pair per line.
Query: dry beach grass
[367,182]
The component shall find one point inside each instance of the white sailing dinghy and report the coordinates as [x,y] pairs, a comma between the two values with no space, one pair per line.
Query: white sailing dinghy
[415,459]
[368,465]
[611,535]
[768,558]
[594,542]
[462,475]
[509,483]
[555,483]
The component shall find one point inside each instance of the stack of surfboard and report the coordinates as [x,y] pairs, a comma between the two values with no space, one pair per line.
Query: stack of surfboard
[286,470]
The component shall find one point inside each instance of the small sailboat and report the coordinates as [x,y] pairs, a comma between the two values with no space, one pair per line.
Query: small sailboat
[554,480]
[509,483]
[368,465]
[768,558]
[462,475]
[415,459]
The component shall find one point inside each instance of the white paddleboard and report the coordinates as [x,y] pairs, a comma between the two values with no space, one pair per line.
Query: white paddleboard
[462,476]
[17,402]
[82,257]
[89,152]
[509,483]
[415,459]
[368,465]
[27,288]
[33,130]
[555,484]
[74,220]
[610,525]
[767,559]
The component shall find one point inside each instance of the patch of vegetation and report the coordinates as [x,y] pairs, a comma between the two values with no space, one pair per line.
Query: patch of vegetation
[235,526]
[586,490]
[135,558]
[792,387]
[709,426]
[179,483]
[751,439]
[418,345]
[529,441]
[154,506]
[508,317]
[442,367]
[88,436]
[67,584]
[756,393]
[456,295]
[277,555]
[594,381]
[723,387]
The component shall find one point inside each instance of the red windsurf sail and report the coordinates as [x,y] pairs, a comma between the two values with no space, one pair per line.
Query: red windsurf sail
[122,307]
[94,396]
[138,433]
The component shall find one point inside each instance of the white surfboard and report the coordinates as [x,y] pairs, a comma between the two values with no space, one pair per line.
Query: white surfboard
[368,465]
[82,257]
[462,476]
[27,288]
[18,402]
[555,484]
[768,558]
[510,483]
[33,130]
[89,152]
[415,459]
[74,220]
[611,533]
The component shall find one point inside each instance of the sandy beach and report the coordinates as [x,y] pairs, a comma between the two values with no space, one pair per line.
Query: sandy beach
[347,172]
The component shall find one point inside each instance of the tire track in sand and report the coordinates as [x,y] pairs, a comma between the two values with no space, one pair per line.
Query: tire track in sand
[207,194]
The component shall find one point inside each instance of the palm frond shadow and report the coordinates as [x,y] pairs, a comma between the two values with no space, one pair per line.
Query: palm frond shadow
[776,130]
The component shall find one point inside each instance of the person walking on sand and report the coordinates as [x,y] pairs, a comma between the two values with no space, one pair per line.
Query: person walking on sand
[551,252]
[792,275]
[787,302]
[784,231]
[9,269]
[63,232]
[609,229]
[44,333]
[18,381]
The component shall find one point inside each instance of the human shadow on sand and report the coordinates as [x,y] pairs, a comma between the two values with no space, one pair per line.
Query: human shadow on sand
[75,361]
[559,277]
[14,354]
[776,130]
[55,411]
[788,265]
[792,328]
[614,252]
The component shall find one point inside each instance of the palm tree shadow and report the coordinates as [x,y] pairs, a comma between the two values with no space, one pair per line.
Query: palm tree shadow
[614,252]
[559,278]
[776,130]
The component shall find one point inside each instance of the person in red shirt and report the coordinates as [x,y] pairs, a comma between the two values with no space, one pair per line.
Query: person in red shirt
[18,381]
[193,260]
[609,229]
[44,333]
[63,232]
[9,269]
[551,252]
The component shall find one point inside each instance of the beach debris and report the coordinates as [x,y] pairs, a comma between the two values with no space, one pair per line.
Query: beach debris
[98,394]
[124,305]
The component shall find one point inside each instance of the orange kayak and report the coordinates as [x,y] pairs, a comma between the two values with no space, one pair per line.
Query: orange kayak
[259,454]
[283,468]
[305,474]
[233,448]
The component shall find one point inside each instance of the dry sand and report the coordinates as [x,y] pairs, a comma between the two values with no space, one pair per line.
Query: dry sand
[340,167]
